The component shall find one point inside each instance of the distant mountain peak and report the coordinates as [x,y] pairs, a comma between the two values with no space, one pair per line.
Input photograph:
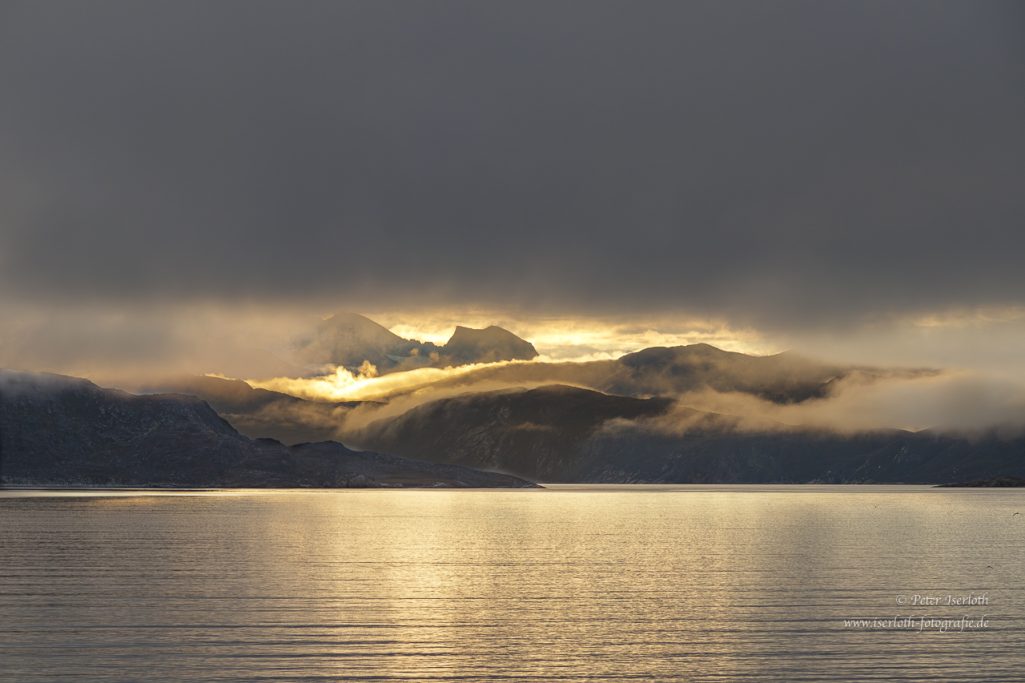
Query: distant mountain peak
[491,331]
[65,431]
[490,344]
[349,339]
[360,327]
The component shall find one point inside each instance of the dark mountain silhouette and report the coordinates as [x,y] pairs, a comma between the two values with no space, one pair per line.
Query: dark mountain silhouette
[223,395]
[781,378]
[350,339]
[537,430]
[259,412]
[564,433]
[800,456]
[994,483]
[560,434]
[491,344]
[59,431]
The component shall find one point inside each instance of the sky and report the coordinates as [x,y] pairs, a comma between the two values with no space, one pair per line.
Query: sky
[844,178]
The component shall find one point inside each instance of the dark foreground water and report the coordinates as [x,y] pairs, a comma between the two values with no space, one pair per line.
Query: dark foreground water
[644,583]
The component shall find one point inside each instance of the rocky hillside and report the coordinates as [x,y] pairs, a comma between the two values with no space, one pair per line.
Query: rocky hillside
[258,412]
[561,434]
[671,371]
[63,431]
[350,340]
[491,344]
[538,431]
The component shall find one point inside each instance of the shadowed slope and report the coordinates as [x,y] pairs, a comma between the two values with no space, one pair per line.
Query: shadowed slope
[781,378]
[350,339]
[561,434]
[488,345]
[537,431]
[57,430]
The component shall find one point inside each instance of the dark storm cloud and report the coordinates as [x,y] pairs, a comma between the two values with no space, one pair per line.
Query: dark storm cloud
[776,162]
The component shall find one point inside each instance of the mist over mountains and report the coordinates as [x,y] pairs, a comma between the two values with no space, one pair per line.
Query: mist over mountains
[64,431]
[564,434]
[782,378]
[681,414]
[356,342]
[691,413]
[187,193]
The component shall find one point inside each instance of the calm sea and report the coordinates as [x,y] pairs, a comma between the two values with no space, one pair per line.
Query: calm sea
[718,583]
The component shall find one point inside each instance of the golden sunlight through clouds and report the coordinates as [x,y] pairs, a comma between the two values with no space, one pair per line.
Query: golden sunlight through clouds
[581,339]
[343,385]
[557,340]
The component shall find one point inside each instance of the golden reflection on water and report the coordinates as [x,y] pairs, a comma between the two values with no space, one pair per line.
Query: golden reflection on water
[572,583]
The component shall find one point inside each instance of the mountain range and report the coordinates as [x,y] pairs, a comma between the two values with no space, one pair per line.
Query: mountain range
[352,340]
[783,378]
[568,434]
[681,414]
[629,420]
[63,431]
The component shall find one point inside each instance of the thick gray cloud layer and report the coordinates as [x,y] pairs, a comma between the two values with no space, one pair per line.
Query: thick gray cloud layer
[772,161]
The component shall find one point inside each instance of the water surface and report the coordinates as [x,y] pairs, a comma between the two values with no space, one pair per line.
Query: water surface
[711,583]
